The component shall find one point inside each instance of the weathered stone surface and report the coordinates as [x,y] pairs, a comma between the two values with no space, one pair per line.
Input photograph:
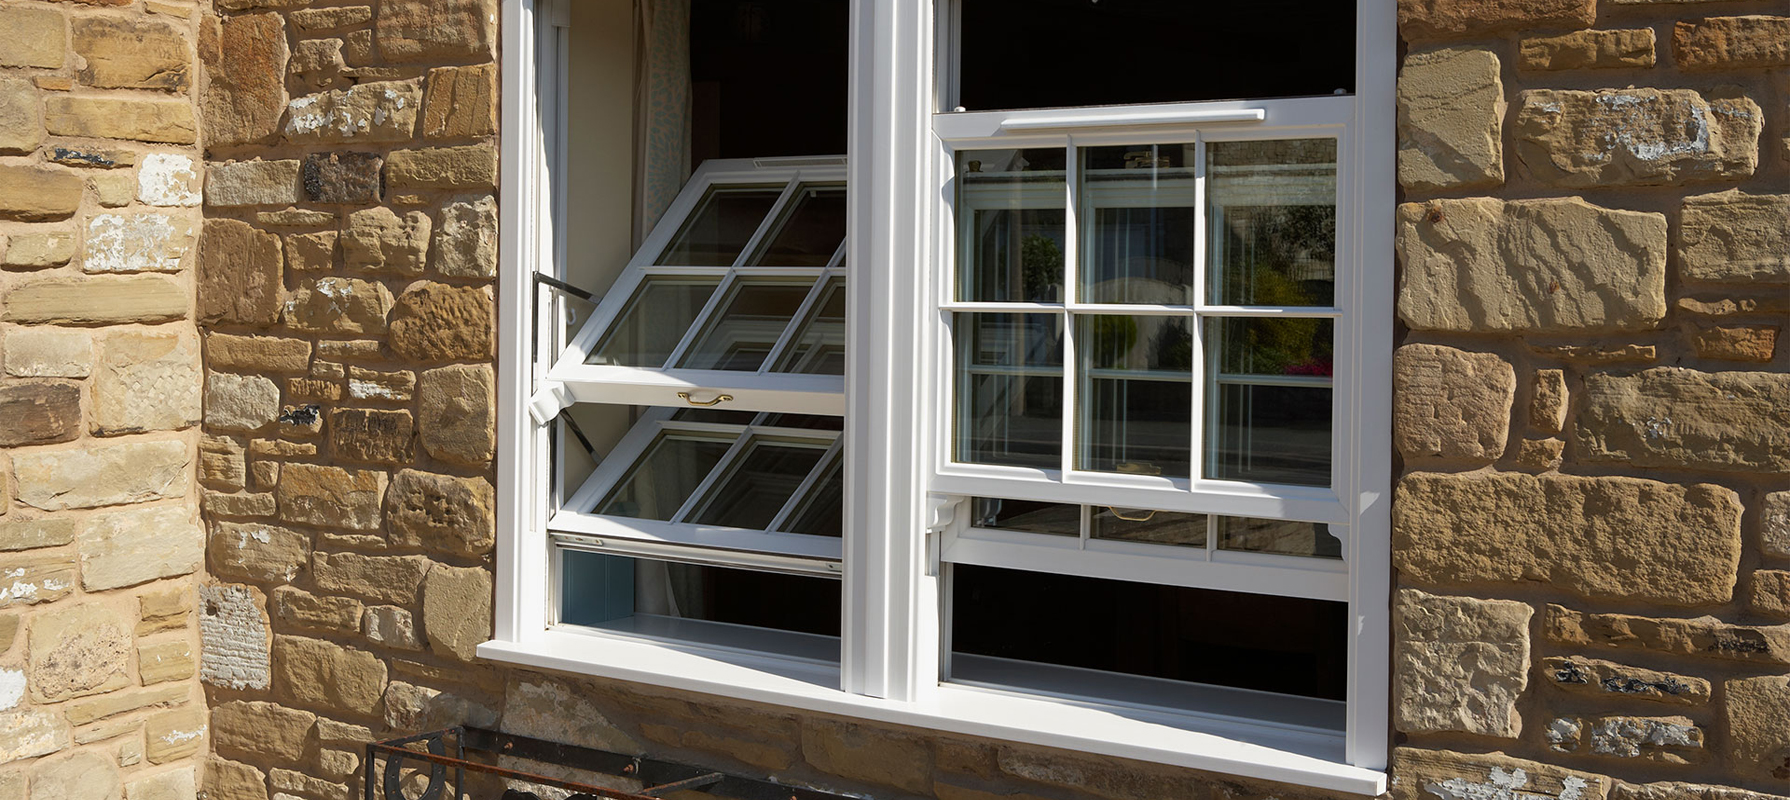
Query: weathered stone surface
[1446,775]
[391,626]
[330,497]
[97,157]
[168,179]
[472,167]
[31,36]
[39,412]
[146,382]
[457,413]
[378,436]
[1599,537]
[1450,119]
[466,240]
[311,251]
[1548,401]
[1699,636]
[82,775]
[460,102]
[367,384]
[551,708]
[322,19]
[258,552]
[1462,664]
[97,301]
[20,119]
[317,64]
[1750,42]
[1635,136]
[230,780]
[113,188]
[245,57]
[345,178]
[224,351]
[221,463]
[259,728]
[32,193]
[239,274]
[457,610]
[40,352]
[1437,19]
[29,581]
[1672,740]
[173,735]
[1451,403]
[138,545]
[1753,343]
[320,612]
[1770,593]
[101,474]
[338,305]
[162,662]
[77,651]
[1732,236]
[27,533]
[1484,265]
[383,111]
[137,243]
[440,512]
[1757,713]
[252,183]
[28,733]
[108,117]
[233,637]
[175,784]
[1589,50]
[318,673]
[1774,525]
[240,402]
[874,755]
[387,579]
[138,52]
[379,240]
[164,610]
[433,30]
[1596,678]
[38,250]
[1674,417]
[1684,791]
[437,322]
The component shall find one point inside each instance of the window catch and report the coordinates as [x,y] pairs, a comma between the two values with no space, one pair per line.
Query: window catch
[941,510]
[546,404]
[719,399]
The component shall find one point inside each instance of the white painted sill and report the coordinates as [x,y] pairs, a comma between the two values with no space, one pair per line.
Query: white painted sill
[1287,756]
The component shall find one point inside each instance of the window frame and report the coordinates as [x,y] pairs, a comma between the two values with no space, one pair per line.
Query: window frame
[896,526]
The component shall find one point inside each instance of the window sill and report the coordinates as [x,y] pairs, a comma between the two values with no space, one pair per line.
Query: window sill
[1302,757]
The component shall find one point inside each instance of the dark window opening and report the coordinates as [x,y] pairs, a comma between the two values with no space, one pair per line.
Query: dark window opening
[768,78]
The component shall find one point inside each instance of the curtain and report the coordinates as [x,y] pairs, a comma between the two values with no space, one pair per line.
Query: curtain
[662,108]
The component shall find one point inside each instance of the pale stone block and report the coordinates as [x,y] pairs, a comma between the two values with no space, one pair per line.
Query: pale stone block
[1629,137]
[102,474]
[147,299]
[77,651]
[382,111]
[233,636]
[457,610]
[138,545]
[240,402]
[168,179]
[1734,236]
[146,382]
[1670,416]
[40,352]
[161,662]
[1451,403]
[1450,119]
[313,672]
[81,775]
[39,249]
[1462,664]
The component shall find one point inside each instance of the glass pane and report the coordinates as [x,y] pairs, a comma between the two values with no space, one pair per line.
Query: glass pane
[815,422]
[1141,212]
[1271,434]
[1056,519]
[1279,346]
[669,472]
[810,231]
[744,328]
[819,346]
[822,512]
[1010,389]
[1010,225]
[1273,222]
[721,226]
[1136,384]
[1144,525]
[759,484]
[638,595]
[714,415]
[1278,536]
[657,317]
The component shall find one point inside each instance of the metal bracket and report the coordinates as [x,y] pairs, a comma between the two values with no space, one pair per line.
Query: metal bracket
[546,404]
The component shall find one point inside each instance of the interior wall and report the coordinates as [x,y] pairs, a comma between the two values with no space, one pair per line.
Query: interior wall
[600,91]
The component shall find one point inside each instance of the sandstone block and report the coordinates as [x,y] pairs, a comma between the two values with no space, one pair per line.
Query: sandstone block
[296,218]
[239,505]
[1451,403]
[311,251]
[138,545]
[96,157]
[878,756]
[330,497]
[258,552]
[99,474]
[29,734]
[239,274]
[460,102]
[261,729]
[113,188]
[224,351]
[1750,42]
[240,402]
[314,672]
[221,463]
[173,735]
[1757,713]
[387,579]
[1432,774]
[1774,525]
[146,382]
[379,240]
[383,111]
[457,610]
[1548,401]
[32,193]
[437,322]
[457,413]
[1733,236]
[82,775]
[97,301]
[39,412]
[466,240]
[1674,417]
[137,52]
[322,19]
[1771,593]
[252,183]
[1596,678]
[1599,537]
[320,612]
[108,117]
[391,626]
[164,610]
[1677,790]
[432,30]
[442,513]
[77,651]
[32,37]
[470,168]
[230,780]
[1670,740]
[376,436]
[245,57]
[1440,19]
[233,636]
[168,179]
[338,305]
[26,533]
[1484,265]
[1450,119]
[1462,664]
[1700,636]
[175,784]
[1589,50]
[40,352]
[1753,343]
[38,250]
[29,581]
[21,121]
[551,708]
[344,178]
[368,384]
[317,64]
[1636,136]
[137,243]
[162,662]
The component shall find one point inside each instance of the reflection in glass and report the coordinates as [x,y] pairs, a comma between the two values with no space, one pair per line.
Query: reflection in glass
[1284,346]
[1278,536]
[822,512]
[1010,215]
[1141,210]
[1136,385]
[714,415]
[721,226]
[1272,207]
[760,482]
[741,333]
[1056,519]
[647,596]
[1270,434]
[1010,389]
[658,484]
[1145,525]
[813,422]
[810,231]
[658,315]
[819,346]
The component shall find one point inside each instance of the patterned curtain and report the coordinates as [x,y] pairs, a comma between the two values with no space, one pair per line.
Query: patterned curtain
[662,108]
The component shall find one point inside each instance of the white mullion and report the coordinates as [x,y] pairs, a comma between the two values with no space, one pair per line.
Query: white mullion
[837,261]
[622,458]
[796,322]
[1071,294]
[722,468]
[807,485]
[1268,312]
[772,219]
[1198,462]
[1087,527]
[1287,381]
[701,321]
[1000,308]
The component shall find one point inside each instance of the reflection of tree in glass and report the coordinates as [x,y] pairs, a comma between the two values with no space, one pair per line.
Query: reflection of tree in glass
[1040,262]
[1295,244]
[1278,346]
[1174,348]
[1113,339]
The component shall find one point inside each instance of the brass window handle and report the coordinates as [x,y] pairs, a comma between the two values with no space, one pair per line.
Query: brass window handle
[1144,517]
[719,399]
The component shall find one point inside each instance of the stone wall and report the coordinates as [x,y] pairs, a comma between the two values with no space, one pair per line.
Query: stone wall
[1591,532]
[100,538]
